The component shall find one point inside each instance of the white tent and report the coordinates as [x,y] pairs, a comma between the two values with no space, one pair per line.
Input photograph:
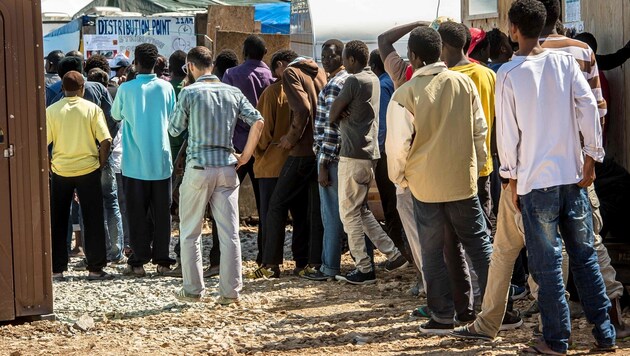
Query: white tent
[66,7]
[315,21]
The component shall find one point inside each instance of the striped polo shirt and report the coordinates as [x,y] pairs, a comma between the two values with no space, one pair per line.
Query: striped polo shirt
[585,57]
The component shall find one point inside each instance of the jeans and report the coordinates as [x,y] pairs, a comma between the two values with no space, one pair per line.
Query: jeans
[148,207]
[334,235]
[298,180]
[566,208]
[218,186]
[355,177]
[113,219]
[122,204]
[89,190]
[466,219]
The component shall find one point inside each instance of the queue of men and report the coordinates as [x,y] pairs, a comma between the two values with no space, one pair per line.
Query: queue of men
[313,139]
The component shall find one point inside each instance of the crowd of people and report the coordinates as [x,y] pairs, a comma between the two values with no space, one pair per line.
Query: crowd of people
[482,146]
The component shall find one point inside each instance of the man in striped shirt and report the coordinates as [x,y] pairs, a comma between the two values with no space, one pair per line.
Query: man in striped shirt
[209,110]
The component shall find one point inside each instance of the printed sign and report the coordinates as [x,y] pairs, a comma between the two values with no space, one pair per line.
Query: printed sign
[104,45]
[168,34]
[573,11]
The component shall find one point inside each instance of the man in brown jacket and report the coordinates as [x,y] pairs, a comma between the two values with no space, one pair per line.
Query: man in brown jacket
[302,81]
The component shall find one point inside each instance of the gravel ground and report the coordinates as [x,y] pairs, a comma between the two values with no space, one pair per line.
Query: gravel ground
[276,317]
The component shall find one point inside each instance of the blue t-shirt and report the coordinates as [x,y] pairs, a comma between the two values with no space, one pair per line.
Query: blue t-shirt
[387,90]
[144,105]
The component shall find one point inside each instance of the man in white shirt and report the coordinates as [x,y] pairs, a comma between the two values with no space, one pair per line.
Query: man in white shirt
[543,105]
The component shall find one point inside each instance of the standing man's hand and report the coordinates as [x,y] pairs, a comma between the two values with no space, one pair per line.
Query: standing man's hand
[285,144]
[588,172]
[515,199]
[324,177]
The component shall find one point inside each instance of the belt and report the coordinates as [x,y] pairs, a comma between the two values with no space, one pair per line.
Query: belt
[199,168]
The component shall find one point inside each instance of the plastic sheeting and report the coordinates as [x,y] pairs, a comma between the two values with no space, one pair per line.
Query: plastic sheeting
[274,17]
[66,38]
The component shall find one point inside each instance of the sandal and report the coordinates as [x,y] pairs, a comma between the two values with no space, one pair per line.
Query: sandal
[601,348]
[187,297]
[422,312]
[100,276]
[540,347]
[58,277]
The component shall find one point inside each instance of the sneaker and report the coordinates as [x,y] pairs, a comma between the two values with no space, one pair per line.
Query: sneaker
[517,292]
[465,319]
[418,290]
[119,262]
[399,263]
[317,275]
[532,309]
[467,332]
[358,277]
[211,271]
[228,301]
[81,266]
[432,327]
[187,297]
[511,321]
[265,273]
[173,272]
[100,276]
[300,272]
[134,271]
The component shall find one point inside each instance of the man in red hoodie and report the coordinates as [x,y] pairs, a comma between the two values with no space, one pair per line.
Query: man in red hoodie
[302,81]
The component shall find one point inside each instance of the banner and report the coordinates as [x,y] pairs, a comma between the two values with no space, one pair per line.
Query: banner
[168,34]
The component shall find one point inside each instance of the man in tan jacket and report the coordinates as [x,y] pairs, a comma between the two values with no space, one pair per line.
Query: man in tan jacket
[436,135]
[302,81]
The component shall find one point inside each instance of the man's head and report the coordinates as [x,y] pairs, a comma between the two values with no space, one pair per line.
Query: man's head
[332,50]
[553,12]
[74,54]
[73,84]
[225,60]
[479,48]
[98,75]
[69,64]
[453,37]
[97,61]
[424,47]
[589,39]
[175,63]
[500,48]
[355,56]
[527,19]
[130,73]
[254,48]
[146,55]
[161,66]
[199,61]
[376,63]
[52,61]
[120,65]
[280,60]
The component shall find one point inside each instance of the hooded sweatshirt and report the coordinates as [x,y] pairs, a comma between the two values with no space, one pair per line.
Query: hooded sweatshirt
[302,81]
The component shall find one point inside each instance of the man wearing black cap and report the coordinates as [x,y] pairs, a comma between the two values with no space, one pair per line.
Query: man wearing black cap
[73,126]
[120,66]
[52,59]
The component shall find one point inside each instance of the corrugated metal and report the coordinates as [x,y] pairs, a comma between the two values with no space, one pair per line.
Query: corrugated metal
[30,222]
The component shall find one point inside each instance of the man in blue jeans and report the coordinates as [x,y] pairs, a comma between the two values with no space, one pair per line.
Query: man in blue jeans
[549,137]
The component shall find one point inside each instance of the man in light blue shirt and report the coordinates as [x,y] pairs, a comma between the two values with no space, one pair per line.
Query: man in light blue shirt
[209,110]
[144,106]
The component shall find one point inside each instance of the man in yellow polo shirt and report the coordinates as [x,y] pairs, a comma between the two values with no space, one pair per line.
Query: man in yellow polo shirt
[80,140]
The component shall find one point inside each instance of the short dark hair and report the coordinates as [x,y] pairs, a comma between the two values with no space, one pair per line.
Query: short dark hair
[175,63]
[553,11]
[528,16]
[97,61]
[225,60]
[376,60]
[495,37]
[201,57]
[146,55]
[334,42]
[160,65]
[254,47]
[453,34]
[587,38]
[98,75]
[130,72]
[358,50]
[55,57]
[68,64]
[74,53]
[425,43]
[286,55]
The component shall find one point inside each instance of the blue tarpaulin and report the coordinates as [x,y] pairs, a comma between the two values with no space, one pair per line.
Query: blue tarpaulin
[65,38]
[274,17]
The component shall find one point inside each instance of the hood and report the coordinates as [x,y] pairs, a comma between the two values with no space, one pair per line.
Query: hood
[306,65]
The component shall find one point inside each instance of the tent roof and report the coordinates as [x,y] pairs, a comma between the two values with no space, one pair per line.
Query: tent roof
[149,7]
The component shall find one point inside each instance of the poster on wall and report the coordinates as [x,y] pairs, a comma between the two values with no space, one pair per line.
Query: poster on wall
[573,12]
[168,34]
[103,45]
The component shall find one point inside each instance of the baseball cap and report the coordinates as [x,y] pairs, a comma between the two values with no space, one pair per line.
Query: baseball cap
[120,62]
[72,81]
[477,35]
